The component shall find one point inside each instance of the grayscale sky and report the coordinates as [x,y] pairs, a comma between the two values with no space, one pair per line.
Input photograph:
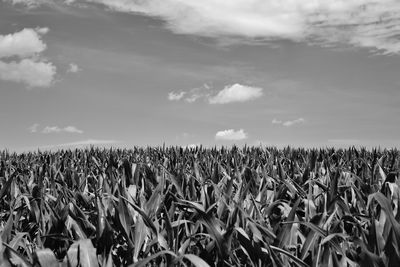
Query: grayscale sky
[213,72]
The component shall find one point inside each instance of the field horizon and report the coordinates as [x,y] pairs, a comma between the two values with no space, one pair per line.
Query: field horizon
[208,147]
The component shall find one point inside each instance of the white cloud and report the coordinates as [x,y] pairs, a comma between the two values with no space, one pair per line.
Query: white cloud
[24,43]
[42,31]
[193,98]
[73,68]
[230,94]
[56,129]
[192,95]
[360,23]
[34,128]
[288,123]
[236,93]
[32,73]
[231,134]
[28,3]
[72,129]
[51,129]
[31,70]
[172,96]
[275,121]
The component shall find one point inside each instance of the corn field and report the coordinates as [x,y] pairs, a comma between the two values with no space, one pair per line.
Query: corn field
[173,206]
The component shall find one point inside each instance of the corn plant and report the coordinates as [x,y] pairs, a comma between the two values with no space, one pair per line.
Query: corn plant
[174,206]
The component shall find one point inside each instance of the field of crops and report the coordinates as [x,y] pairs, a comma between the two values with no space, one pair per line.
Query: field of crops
[200,207]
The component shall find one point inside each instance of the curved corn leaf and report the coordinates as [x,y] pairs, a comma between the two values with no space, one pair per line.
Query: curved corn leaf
[196,260]
[45,257]
[148,259]
[82,254]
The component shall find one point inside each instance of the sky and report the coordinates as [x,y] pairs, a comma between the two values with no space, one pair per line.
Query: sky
[127,73]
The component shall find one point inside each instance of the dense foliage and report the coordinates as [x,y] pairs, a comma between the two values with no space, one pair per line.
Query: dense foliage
[200,207]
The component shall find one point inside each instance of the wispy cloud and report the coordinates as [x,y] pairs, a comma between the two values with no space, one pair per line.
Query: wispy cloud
[231,135]
[359,23]
[288,123]
[72,129]
[73,68]
[56,129]
[27,3]
[30,69]
[369,24]
[191,95]
[69,2]
[229,94]
[275,121]
[194,95]
[34,128]
[172,96]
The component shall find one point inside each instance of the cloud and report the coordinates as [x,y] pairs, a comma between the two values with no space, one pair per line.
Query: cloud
[236,93]
[231,135]
[275,121]
[34,128]
[288,123]
[31,4]
[73,68]
[194,94]
[193,98]
[359,23]
[56,129]
[30,69]
[230,94]
[172,96]
[51,129]
[32,73]
[24,43]
[72,129]
[28,3]
[43,30]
